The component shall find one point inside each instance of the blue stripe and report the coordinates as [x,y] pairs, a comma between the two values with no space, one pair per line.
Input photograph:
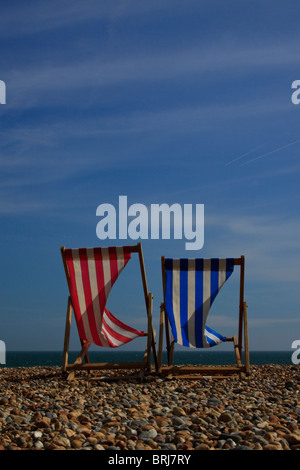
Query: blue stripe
[199,303]
[210,341]
[184,301]
[214,279]
[169,264]
[169,295]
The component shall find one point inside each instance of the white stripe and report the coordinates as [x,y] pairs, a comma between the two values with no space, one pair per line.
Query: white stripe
[222,272]
[94,288]
[106,270]
[112,340]
[176,298]
[102,333]
[191,302]
[213,337]
[206,296]
[80,293]
[120,258]
[95,296]
[118,330]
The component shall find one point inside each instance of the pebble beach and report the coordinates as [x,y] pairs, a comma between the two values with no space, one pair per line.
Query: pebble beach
[40,410]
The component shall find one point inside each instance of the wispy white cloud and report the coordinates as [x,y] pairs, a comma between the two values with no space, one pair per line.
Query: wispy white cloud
[269,243]
[268,321]
[180,118]
[256,320]
[31,84]
[43,17]
[17,207]
[271,152]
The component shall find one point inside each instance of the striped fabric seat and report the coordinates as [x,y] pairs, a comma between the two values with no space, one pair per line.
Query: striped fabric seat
[191,286]
[92,273]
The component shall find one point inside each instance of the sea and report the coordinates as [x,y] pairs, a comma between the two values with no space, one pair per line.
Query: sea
[54,358]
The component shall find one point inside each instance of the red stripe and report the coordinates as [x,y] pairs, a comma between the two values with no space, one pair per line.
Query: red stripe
[114,334]
[127,253]
[122,339]
[88,294]
[113,265]
[96,330]
[74,295]
[127,250]
[100,284]
[121,324]
[100,278]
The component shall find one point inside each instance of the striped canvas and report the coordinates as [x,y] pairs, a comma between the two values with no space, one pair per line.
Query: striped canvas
[93,272]
[191,286]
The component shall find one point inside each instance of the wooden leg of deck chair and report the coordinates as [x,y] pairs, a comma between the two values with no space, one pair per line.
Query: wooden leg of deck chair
[172,351]
[153,344]
[150,331]
[161,332]
[170,347]
[247,360]
[86,356]
[241,308]
[147,298]
[67,336]
[168,343]
[79,359]
[237,354]
[146,357]
[147,354]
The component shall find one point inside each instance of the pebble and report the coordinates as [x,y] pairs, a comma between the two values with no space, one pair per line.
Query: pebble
[40,410]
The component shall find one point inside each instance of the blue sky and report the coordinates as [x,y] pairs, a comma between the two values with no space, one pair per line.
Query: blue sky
[164,102]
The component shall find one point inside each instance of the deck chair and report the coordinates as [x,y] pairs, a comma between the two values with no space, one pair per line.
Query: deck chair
[91,274]
[190,287]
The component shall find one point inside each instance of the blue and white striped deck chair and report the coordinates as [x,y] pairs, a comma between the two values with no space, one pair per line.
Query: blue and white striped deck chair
[190,287]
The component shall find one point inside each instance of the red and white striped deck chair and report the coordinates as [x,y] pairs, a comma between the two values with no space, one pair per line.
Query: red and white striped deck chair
[91,274]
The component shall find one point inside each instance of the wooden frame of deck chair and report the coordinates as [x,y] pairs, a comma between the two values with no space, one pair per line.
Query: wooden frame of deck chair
[189,288]
[91,273]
